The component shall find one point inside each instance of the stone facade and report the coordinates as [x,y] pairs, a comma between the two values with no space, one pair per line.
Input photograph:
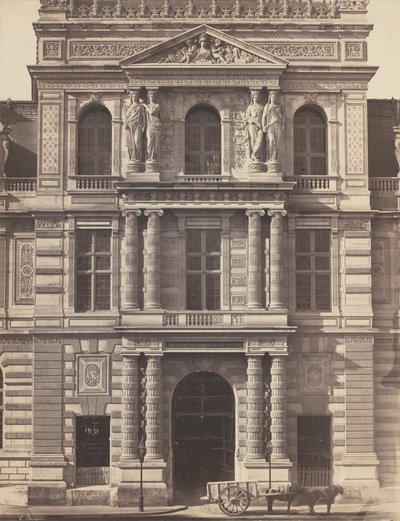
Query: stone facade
[100,322]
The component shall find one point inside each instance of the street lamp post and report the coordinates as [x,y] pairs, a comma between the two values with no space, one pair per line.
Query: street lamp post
[268,454]
[141,453]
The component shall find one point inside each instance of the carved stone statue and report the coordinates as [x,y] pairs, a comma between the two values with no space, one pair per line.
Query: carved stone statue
[397,150]
[255,134]
[135,125]
[153,128]
[273,125]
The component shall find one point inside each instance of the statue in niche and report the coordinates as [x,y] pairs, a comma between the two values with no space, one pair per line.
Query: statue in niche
[273,125]
[135,126]
[153,127]
[254,114]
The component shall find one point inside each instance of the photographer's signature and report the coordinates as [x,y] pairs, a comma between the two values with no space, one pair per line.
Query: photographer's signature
[30,517]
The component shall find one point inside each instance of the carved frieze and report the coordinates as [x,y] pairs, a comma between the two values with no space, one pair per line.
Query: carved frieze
[48,224]
[357,224]
[24,271]
[52,49]
[301,50]
[105,50]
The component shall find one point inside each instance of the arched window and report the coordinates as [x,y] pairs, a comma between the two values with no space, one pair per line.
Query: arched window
[203,141]
[94,142]
[309,142]
[1,407]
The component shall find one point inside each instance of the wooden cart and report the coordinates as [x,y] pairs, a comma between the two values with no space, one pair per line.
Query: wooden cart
[234,497]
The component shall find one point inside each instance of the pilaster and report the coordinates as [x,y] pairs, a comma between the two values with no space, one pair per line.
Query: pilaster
[254,276]
[153,408]
[278,249]
[130,409]
[255,441]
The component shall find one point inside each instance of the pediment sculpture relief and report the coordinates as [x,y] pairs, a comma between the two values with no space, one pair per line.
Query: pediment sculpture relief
[206,49]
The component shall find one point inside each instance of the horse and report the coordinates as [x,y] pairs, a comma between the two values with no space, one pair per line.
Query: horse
[329,494]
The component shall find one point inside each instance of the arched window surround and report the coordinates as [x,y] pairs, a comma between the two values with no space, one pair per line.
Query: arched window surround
[310,141]
[203,140]
[94,141]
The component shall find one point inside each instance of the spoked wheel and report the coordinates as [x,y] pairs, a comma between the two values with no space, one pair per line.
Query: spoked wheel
[233,501]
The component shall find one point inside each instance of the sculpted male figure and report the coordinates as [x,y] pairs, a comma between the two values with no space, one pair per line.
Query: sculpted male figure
[153,130]
[273,125]
[254,127]
[135,125]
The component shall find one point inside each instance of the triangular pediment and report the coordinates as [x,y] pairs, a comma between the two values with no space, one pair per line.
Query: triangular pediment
[203,46]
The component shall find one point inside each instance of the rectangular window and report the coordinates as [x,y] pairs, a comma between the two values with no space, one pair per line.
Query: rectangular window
[203,269]
[313,271]
[93,270]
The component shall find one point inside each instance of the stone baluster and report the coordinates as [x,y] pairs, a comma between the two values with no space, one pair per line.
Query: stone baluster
[255,407]
[131,294]
[130,408]
[153,408]
[254,275]
[278,406]
[278,249]
[152,297]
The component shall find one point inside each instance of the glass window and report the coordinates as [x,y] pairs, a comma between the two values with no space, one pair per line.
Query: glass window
[309,142]
[203,141]
[313,277]
[203,268]
[94,142]
[93,270]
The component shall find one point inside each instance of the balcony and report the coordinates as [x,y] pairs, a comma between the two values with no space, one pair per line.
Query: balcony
[20,184]
[384,193]
[90,183]
[311,183]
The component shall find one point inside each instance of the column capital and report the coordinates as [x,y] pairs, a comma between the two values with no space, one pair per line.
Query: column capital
[155,211]
[274,213]
[250,212]
[128,212]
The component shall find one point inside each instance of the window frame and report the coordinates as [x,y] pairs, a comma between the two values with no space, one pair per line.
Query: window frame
[202,153]
[93,109]
[313,271]
[203,254]
[93,272]
[309,154]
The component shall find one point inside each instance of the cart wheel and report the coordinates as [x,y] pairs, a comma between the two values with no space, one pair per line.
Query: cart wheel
[233,501]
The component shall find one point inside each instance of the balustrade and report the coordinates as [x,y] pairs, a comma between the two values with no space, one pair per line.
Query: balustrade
[20,184]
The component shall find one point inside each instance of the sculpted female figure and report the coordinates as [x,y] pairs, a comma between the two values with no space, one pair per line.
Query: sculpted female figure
[135,125]
[273,126]
[254,127]
[153,132]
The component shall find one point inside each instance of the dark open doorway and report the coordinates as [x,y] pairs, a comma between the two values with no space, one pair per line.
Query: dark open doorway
[203,435]
[314,450]
[92,450]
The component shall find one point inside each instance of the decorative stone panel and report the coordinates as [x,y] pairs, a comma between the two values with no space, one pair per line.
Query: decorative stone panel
[355,135]
[92,374]
[24,271]
[314,374]
[380,268]
[50,139]
[52,49]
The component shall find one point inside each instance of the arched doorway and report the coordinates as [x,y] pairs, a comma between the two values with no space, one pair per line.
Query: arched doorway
[203,434]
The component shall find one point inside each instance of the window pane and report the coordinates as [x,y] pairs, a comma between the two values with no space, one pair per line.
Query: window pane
[317,166]
[84,241]
[102,291]
[317,139]
[84,263]
[213,241]
[213,291]
[303,243]
[193,263]
[103,241]
[322,292]
[193,241]
[322,241]
[213,263]
[303,291]
[322,263]
[300,166]
[94,142]
[303,263]
[193,286]
[83,292]
[300,117]
[315,118]
[103,263]
[300,140]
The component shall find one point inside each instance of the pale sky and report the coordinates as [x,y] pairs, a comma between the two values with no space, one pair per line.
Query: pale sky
[17,47]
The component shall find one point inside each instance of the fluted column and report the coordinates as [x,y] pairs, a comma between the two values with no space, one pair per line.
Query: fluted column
[254,275]
[255,407]
[131,293]
[152,297]
[153,408]
[278,248]
[130,408]
[278,406]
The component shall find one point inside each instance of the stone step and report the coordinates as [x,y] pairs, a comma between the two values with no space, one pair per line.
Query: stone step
[95,495]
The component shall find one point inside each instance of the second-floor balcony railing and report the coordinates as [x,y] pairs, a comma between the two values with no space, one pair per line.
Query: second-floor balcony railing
[384,184]
[20,184]
[203,319]
[93,182]
[311,183]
